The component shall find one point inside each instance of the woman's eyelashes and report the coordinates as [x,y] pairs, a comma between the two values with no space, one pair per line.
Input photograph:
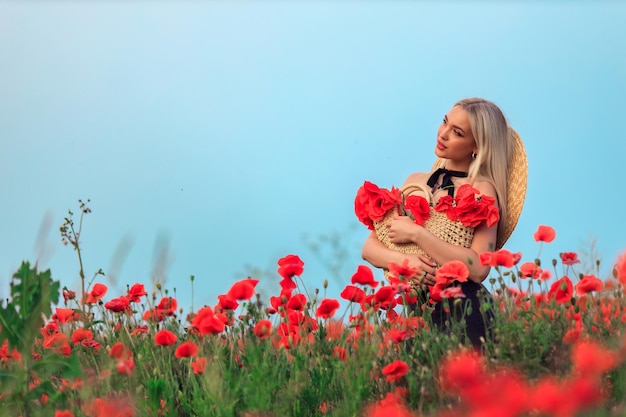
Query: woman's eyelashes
[456,132]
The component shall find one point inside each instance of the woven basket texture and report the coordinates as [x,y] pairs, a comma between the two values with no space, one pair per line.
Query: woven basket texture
[438,224]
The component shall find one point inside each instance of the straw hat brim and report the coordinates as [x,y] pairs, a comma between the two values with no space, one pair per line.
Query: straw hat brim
[517,182]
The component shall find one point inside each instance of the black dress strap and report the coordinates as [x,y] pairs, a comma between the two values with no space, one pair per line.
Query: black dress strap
[447,179]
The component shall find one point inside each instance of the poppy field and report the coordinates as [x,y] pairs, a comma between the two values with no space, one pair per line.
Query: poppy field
[558,346]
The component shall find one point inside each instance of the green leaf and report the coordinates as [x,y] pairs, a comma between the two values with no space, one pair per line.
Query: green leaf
[155,388]
[54,364]
[32,295]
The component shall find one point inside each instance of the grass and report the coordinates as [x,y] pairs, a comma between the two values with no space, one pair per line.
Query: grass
[556,351]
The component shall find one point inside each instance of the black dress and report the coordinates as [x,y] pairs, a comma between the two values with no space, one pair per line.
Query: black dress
[470,317]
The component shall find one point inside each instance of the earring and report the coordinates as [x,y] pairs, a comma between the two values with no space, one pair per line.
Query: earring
[474,155]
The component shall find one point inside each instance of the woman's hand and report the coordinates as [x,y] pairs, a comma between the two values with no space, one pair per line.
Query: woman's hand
[401,229]
[427,269]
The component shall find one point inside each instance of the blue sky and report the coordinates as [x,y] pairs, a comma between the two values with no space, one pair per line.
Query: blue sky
[214,138]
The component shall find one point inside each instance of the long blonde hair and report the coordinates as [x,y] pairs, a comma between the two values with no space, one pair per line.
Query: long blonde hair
[494,141]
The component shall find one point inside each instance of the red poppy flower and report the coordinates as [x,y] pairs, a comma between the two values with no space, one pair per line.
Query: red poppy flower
[500,257]
[4,350]
[472,208]
[364,276]
[263,329]
[403,270]
[186,350]
[386,200]
[153,315]
[452,292]
[126,367]
[279,301]
[397,335]
[198,365]
[327,308]
[120,352]
[139,329]
[111,406]
[136,292]
[492,213]
[59,343]
[361,202]
[391,405]
[81,334]
[214,325]
[452,271]
[572,335]
[55,340]
[544,234]
[287,284]
[290,266]
[339,353]
[352,293]
[588,284]
[63,413]
[446,204]
[207,322]
[385,296]
[460,370]
[368,302]
[297,302]
[244,289]
[419,208]
[395,370]
[91,344]
[68,295]
[590,359]
[167,306]
[63,315]
[561,290]
[5,354]
[569,258]
[372,203]
[165,338]
[469,207]
[96,293]
[435,292]
[530,270]
[118,305]
[586,393]
[549,397]
[226,302]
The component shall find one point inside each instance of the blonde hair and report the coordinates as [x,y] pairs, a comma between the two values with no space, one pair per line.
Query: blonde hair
[494,141]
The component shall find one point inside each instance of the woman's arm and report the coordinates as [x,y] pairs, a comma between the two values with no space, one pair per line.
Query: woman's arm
[380,256]
[484,241]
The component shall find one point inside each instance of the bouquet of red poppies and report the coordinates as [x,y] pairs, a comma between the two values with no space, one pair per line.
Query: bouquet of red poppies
[470,208]
[372,204]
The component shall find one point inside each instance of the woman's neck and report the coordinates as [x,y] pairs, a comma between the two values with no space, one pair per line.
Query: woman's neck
[456,166]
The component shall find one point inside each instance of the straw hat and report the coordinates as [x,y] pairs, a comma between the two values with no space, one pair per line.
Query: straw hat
[517,181]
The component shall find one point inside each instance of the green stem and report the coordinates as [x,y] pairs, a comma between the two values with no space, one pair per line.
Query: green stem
[81,272]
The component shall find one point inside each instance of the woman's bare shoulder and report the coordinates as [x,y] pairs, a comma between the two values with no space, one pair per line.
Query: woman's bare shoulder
[485,186]
[417,178]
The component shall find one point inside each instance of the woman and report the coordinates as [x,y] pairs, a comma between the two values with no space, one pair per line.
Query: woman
[474,146]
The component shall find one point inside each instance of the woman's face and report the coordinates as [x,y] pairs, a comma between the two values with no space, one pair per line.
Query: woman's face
[455,140]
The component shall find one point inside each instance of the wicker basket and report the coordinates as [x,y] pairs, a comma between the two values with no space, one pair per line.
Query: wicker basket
[438,224]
